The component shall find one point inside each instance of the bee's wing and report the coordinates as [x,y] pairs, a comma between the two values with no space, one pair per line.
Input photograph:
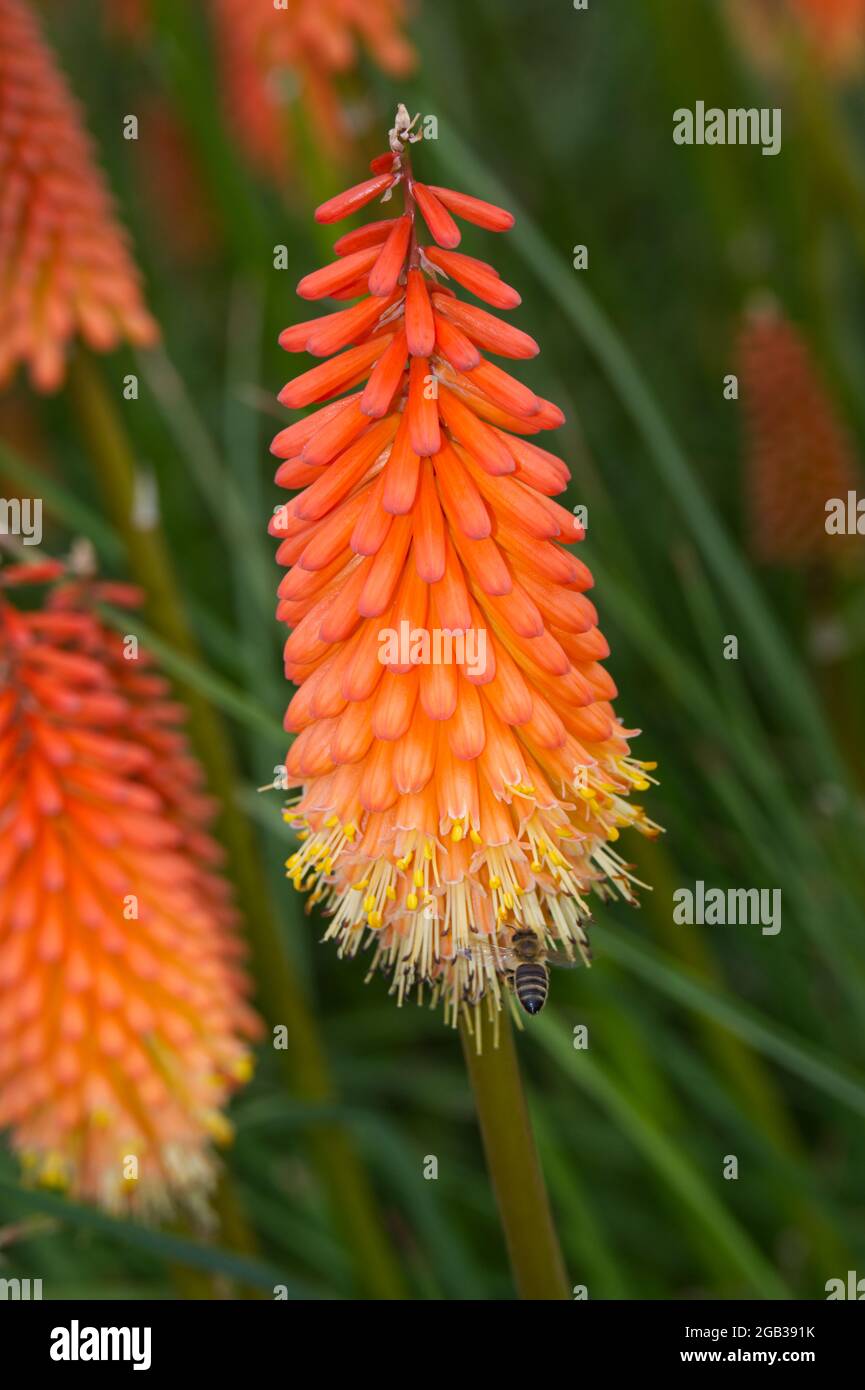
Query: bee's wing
[562,962]
[500,959]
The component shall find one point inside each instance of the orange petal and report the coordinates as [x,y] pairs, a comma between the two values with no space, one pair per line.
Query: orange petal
[504,389]
[394,704]
[336,435]
[487,215]
[331,536]
[475,276]
[343,616]
[429,529]
[364,668]
[387,568]
[414,756]
[378,789]
[489,332]
[291,441]
[419,325]
[344,204]
[517,611]
[329,279]
[388,267]
[352,735]
[442,226]
[334,375]
[485,564]
[401,473]
[460,499]
[335,331]
[537,467]
[371,234]
[346,470]
[437,689]
[385,378]
[507,693]
[422,410]
[296,473]
[486,445]
[373,523]
[465,731]
[451,595]
[511,501]
[459,350]
[409,615]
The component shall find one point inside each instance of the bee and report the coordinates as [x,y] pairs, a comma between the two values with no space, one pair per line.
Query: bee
[525,962]
[528,972]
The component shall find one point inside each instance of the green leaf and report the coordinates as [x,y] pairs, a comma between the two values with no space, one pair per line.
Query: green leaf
[159,1244]
[672,1166]
[826,1074]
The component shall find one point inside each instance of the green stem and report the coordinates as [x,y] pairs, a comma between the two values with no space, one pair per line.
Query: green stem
[282,996]
[512,1158]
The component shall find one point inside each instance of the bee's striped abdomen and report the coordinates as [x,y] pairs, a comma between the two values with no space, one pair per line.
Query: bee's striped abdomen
[532,983]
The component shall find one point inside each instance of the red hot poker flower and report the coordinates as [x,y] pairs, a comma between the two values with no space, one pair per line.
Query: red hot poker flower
[798,457]
[833,30]
[461,772]
[129,18]
[122,988]
[275,58]
[65,268]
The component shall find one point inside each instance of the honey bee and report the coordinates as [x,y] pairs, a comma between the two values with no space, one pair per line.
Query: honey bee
[526,960]
[529,975]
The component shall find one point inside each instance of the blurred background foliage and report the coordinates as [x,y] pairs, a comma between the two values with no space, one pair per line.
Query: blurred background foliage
[704,1041]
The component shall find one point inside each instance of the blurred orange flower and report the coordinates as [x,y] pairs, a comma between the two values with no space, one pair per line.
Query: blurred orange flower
[834,30]
[65,267]
[122,988]
[461,770]
[131,18]
[277,58]
[797,454]
[176,194]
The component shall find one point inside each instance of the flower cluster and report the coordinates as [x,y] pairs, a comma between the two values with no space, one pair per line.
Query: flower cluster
[798,456]
[833,31]
[440,805]
[122,990]
[65,267]
[279,61]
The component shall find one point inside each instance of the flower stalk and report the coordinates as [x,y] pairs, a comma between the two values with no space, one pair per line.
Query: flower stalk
[514,1165]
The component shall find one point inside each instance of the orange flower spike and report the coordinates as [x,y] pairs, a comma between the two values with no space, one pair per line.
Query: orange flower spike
[131,18]
[798,455]
[122,993]
[459,771]
[838,31]
[65,267]
[833,32]
[281,68]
